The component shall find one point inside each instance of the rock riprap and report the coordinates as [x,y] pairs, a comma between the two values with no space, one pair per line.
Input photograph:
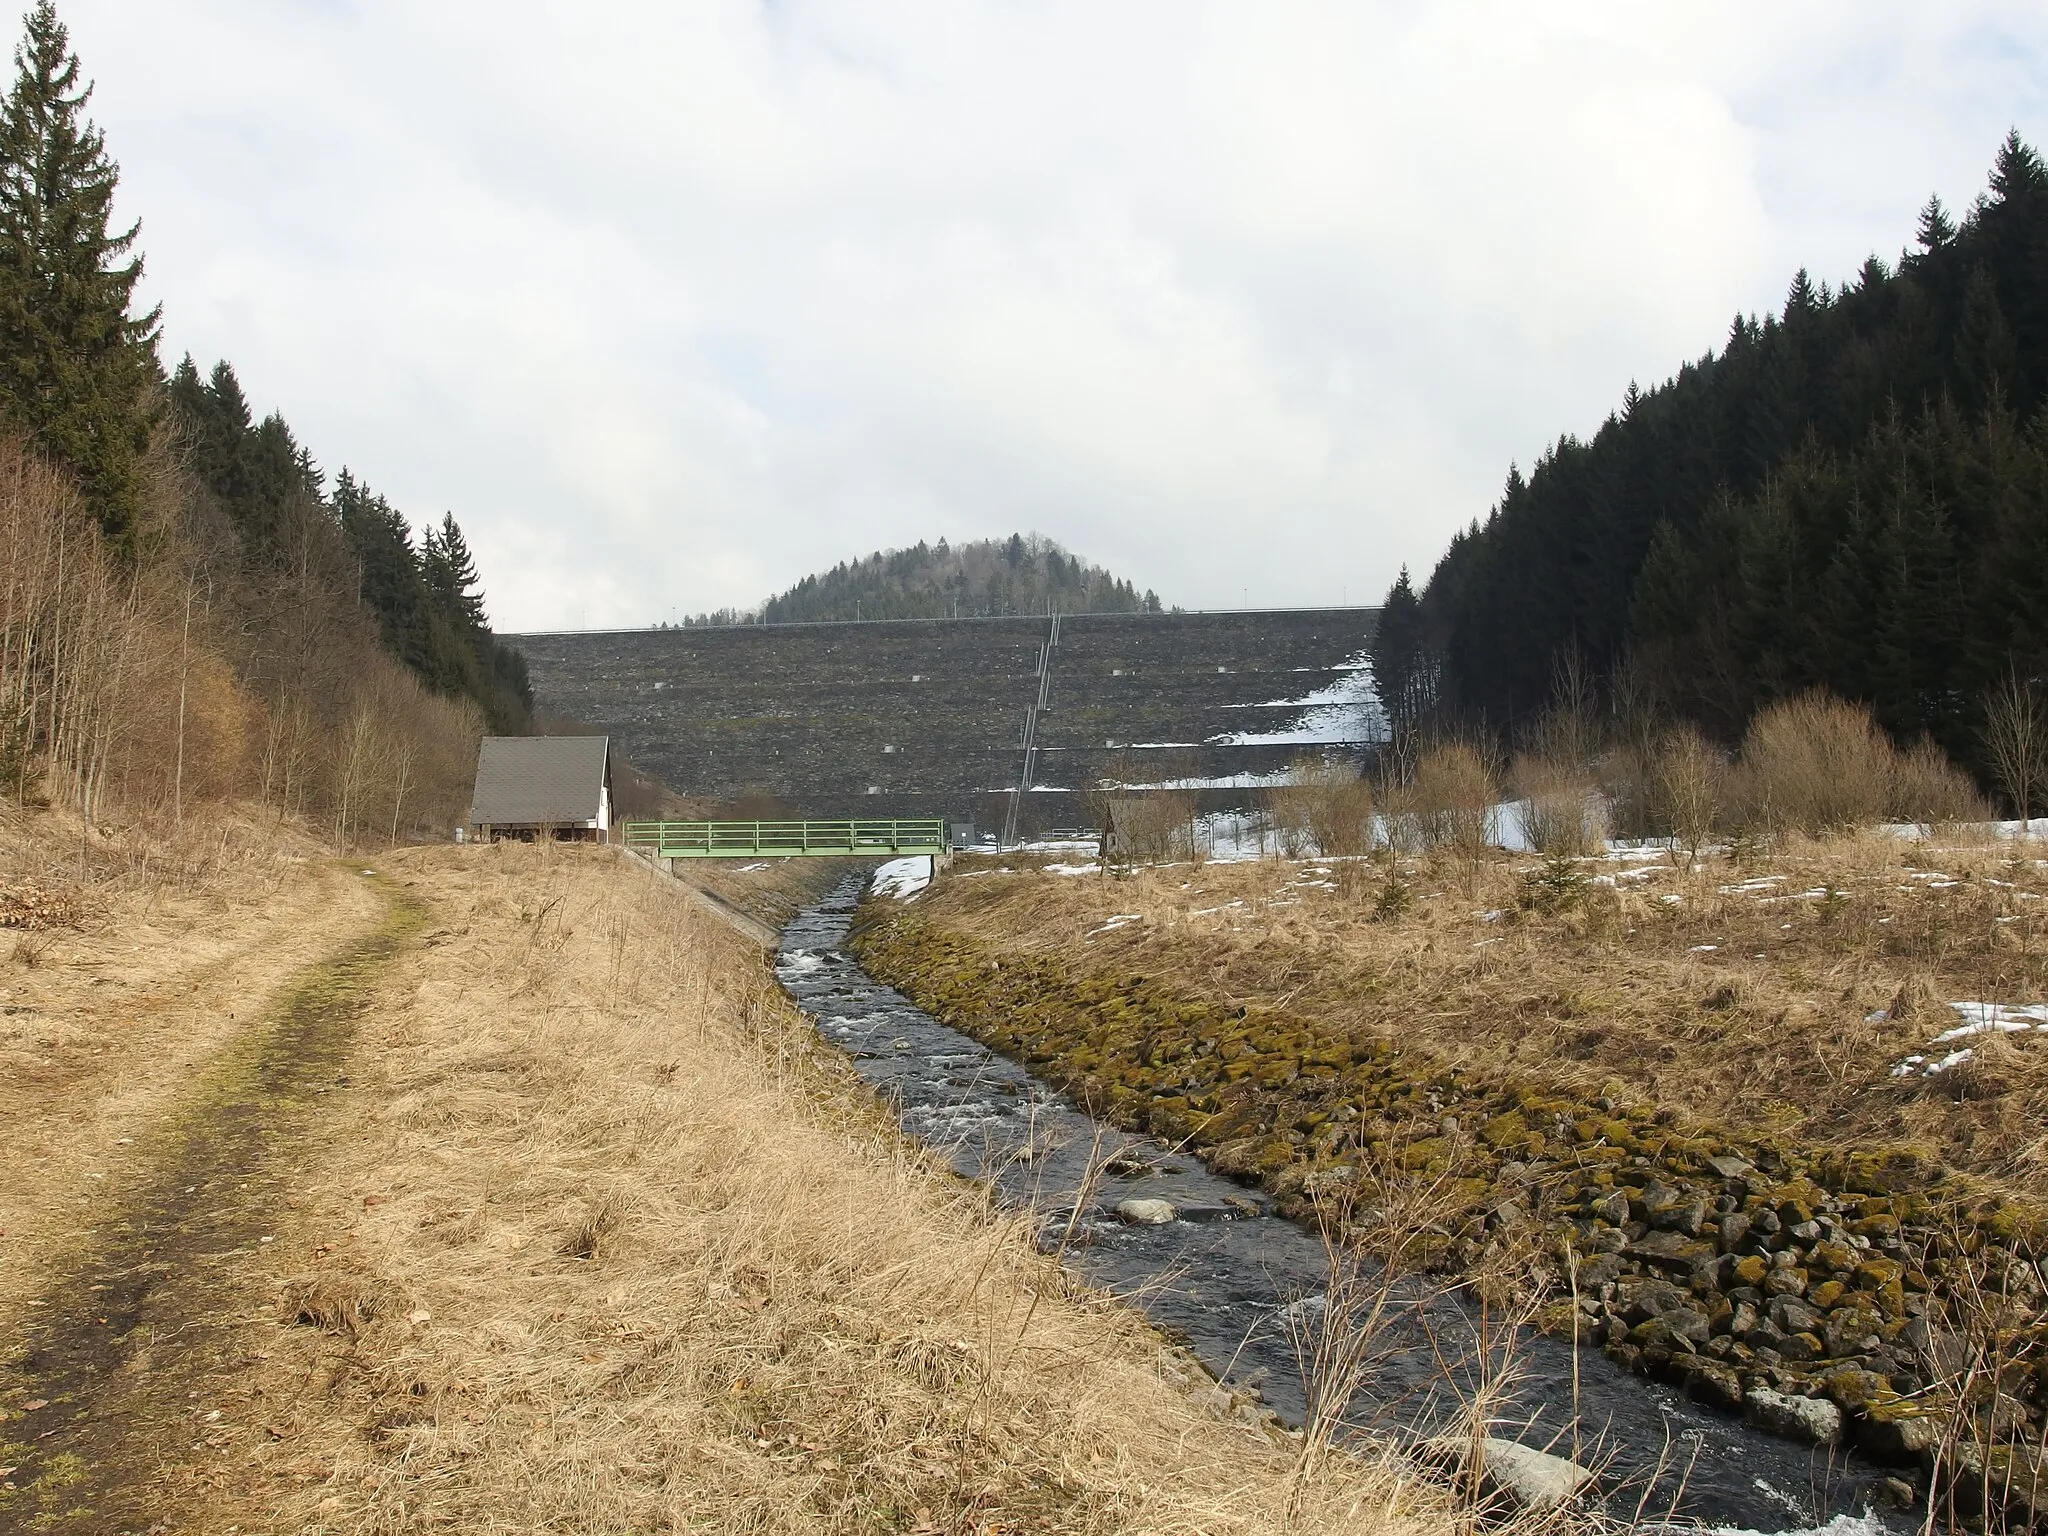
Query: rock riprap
[1753,1271]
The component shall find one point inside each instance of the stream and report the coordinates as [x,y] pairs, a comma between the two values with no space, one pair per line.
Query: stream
[1242,1287]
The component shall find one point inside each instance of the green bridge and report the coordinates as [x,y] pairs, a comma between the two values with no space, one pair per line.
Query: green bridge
[783,839]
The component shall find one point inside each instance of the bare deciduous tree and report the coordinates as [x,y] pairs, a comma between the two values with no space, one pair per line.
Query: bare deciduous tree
[1690,776]
[2016,739]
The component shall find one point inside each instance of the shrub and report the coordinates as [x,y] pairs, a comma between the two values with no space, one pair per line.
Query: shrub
[1561,813]
[1927,788]
[1452,798]
[1326,808]
[1689,782]
[1812,764]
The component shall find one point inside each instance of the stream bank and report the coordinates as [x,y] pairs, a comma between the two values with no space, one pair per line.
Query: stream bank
[1826,1296]
[1241,1284]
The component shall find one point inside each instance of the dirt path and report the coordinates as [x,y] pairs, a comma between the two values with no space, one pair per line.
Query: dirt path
[103,1030]
[97,1387]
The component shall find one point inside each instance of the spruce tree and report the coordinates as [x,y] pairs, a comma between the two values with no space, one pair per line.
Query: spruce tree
[1401,671]
[1936,227]
[76,367]
[450,572]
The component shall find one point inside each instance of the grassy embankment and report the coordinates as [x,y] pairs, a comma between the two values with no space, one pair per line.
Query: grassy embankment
[575,1226]
[1686,1072]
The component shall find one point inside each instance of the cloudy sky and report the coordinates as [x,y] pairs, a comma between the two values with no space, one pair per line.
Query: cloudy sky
[673,302]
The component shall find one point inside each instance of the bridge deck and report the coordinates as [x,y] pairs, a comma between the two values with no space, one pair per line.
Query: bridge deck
[785,839]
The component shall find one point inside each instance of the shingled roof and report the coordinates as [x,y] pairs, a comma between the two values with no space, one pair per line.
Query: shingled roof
[540,780]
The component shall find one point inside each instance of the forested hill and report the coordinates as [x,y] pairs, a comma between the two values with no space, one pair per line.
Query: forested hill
[1852,493]
[1020,574]
[191,615]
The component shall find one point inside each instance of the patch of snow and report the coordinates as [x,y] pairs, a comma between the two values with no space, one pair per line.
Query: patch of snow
[1978,1019]
[748,869]
[2000,1018]
[1339,713]
[1641,849]
[1914,832]
[1073,869]
[902,879]
[1920,1066]
[1115,922]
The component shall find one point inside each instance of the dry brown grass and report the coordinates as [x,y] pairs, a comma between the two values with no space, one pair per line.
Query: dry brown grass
[1777,996]
[607,1241]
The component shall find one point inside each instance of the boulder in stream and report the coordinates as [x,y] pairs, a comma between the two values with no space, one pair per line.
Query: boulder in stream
[1145,1213]
[1531,1478]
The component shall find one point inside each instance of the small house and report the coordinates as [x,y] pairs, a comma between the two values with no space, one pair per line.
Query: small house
[543,786]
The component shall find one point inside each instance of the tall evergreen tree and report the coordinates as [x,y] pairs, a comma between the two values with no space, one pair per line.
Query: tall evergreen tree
[76,366]
[451,576]
[1403,674]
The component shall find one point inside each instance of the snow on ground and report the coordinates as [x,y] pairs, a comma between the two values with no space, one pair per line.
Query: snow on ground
[1994,1018]
[1115,922]
[901,879]
[1978,1019]
[1915,832]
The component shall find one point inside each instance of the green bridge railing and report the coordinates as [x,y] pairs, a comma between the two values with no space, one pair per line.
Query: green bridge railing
[783,839]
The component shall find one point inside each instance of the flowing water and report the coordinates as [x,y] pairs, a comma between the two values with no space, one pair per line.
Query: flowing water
[1242,1286]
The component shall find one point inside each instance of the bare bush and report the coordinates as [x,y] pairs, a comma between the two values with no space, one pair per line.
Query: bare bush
[1929,789]
[1561,812]
[1325,808]
[1689,778]
[1812,764]
[1141,801]
[1452,800]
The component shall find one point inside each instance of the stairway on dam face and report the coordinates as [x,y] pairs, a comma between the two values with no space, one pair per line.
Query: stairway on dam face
[926,717]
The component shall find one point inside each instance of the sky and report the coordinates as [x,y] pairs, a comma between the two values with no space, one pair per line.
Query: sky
[672,303]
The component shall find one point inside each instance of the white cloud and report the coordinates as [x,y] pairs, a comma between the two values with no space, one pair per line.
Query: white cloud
[672,304]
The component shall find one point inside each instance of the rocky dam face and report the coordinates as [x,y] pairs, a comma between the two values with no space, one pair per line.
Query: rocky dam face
[931,717]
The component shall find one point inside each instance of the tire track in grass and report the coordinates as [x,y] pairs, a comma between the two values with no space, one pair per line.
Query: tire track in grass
[94,1400]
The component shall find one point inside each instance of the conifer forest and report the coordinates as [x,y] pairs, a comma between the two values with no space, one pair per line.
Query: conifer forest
[1850,494]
